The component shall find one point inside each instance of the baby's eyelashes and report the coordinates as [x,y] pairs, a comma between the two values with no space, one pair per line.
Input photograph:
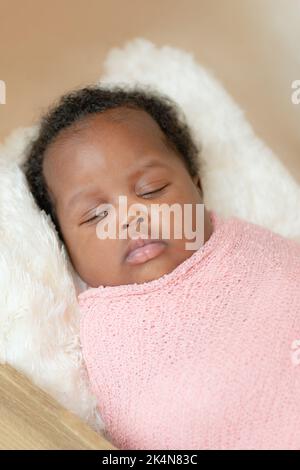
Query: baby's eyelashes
[100,216]
[154,191]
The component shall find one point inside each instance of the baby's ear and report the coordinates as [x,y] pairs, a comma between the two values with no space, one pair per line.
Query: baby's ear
[197,182]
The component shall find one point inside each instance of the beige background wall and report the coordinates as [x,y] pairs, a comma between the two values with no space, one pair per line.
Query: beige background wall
[253,46]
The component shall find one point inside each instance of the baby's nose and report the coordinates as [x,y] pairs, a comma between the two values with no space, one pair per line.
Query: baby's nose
[139,220]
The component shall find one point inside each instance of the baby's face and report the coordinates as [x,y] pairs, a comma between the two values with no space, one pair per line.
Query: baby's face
[106,158]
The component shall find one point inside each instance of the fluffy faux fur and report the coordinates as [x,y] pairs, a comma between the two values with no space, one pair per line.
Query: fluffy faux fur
[38,305]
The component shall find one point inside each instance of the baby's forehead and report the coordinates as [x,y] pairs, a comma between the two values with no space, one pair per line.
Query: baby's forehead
[118,115]
[129,134]
[111,122]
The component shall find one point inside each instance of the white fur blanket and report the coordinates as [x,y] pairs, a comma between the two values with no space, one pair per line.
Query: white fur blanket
[38,305]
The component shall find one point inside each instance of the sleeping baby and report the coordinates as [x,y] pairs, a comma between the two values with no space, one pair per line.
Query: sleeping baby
[190,323]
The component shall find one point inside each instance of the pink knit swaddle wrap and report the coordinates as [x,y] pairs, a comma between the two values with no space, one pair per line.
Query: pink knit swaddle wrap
[208,355]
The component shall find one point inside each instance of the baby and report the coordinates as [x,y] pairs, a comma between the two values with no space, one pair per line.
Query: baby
[185,348]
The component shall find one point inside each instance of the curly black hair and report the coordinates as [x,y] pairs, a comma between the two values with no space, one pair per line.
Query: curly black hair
[75,105]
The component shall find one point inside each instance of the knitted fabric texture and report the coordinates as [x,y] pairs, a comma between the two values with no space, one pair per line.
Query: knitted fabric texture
[206,356]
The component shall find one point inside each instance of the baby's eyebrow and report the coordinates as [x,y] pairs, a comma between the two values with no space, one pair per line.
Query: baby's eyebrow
[149,163]
[76,197]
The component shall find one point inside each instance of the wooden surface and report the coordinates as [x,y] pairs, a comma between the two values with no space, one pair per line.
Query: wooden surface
[31,419]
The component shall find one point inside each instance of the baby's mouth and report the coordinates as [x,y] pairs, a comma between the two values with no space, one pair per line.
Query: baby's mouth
[142,250]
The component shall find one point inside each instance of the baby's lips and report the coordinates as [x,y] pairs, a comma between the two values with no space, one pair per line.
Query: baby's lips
[146,252]
[137,243]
